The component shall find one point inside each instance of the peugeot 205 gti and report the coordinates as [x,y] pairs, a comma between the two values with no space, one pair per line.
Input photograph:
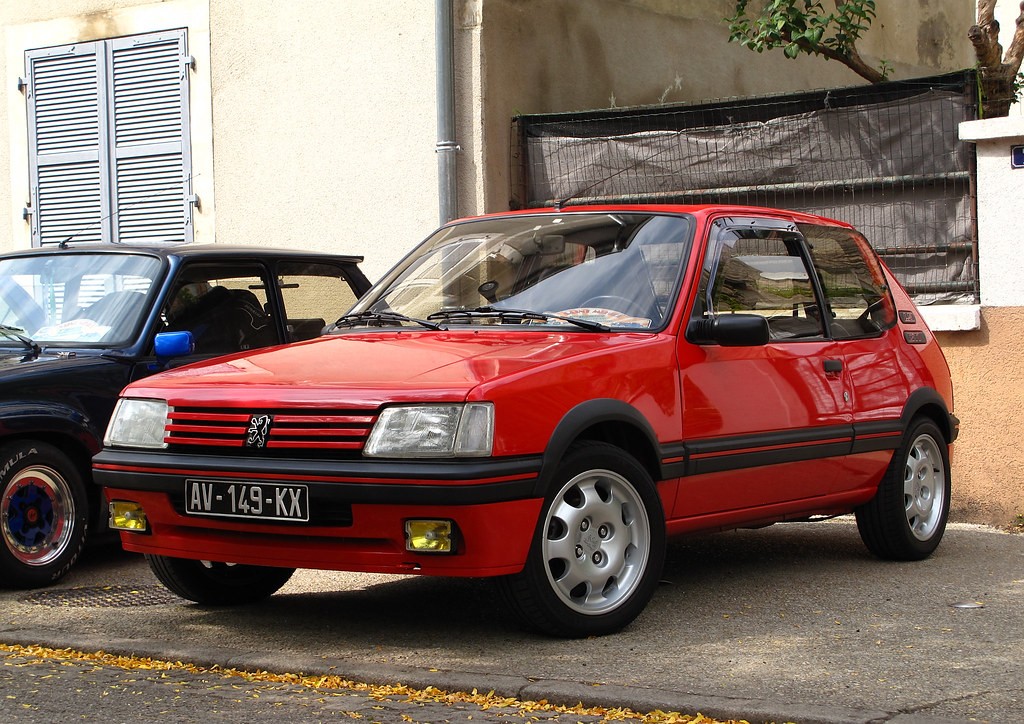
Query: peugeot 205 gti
[544,397]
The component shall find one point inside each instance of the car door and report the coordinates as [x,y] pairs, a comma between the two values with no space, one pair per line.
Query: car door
[769,423]
[861,319]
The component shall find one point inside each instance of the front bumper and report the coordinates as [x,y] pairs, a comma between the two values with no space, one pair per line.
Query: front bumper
[357,509]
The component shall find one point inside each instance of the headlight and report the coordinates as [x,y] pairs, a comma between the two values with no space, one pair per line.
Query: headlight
[137,423]
[415,431]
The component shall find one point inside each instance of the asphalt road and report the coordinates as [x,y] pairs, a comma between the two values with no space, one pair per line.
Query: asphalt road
[794,622]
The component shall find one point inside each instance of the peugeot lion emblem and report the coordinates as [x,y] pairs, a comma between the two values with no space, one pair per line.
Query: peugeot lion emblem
[259,431]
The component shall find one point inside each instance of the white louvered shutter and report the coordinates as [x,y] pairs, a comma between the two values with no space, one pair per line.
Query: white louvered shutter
[108,141]
[67,135]
[149,130]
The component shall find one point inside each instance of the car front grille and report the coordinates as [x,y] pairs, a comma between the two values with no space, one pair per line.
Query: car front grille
[288,431]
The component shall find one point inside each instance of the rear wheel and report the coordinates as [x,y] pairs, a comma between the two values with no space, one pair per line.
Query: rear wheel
[907,517]
[598,549]
[218,584]
[43,514]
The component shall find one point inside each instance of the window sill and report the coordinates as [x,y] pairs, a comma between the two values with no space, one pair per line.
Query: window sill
[952,317]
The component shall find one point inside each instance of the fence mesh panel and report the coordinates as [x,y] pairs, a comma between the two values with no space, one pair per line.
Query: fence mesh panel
[886,158]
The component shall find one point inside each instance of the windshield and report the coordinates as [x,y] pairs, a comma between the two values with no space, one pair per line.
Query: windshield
[75,299]
[619,270]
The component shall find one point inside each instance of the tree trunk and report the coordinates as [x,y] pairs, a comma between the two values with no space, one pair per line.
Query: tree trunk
[998,73]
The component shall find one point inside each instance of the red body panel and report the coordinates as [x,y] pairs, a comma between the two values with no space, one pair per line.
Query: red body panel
[496,538]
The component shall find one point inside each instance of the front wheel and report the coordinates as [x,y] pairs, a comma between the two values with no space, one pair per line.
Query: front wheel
[218,584]
[598,548]
[44,514]
[907,517]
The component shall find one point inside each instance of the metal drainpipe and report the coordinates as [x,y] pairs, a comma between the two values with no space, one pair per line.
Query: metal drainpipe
[444,31]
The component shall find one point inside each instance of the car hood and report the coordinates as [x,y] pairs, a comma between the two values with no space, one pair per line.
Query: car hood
[373,368]
[15,362]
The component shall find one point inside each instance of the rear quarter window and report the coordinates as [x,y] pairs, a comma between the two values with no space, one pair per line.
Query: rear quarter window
[852,278]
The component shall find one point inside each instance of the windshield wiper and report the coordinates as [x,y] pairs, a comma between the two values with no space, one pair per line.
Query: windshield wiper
[17,333]
[380,319]
[521,315]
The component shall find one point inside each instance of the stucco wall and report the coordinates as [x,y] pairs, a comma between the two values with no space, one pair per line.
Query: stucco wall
[326,125]
[988,386]
[986,364]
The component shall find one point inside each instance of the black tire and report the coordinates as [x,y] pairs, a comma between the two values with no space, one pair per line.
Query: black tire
[44,514]
[907,517]
[598,548]
[218,584]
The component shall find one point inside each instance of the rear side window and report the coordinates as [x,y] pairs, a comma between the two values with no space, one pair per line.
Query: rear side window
[314,295]
[851,276]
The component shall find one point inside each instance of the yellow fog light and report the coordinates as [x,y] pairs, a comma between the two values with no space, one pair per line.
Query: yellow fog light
[125,515]
[429,536]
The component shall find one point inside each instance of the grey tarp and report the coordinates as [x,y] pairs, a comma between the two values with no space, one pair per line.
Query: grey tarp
[896,170]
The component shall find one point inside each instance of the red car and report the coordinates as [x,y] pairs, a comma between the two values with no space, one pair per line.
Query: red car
[544,397]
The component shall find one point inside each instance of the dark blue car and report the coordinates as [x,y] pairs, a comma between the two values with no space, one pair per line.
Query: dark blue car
[77,324]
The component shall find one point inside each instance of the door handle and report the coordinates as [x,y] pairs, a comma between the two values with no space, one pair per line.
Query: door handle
[833,365]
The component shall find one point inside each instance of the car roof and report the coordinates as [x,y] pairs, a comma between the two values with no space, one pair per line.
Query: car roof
[702,210]
[185,251]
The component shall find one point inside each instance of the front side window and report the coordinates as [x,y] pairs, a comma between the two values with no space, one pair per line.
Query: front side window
[92,300]
[749,270]
[620,270]
[109,151]
[224,306]
[858,297]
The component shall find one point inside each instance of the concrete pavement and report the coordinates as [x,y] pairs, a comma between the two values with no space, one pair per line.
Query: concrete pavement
[791,623]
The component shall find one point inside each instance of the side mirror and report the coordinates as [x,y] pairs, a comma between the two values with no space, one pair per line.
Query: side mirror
[168,345]
[730,330]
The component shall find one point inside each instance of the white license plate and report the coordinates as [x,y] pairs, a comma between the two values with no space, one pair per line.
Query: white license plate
[265,501]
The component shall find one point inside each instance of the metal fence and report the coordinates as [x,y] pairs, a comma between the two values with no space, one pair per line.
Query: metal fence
[886,158]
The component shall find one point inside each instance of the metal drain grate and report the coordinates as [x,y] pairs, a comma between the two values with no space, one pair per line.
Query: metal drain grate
[103,597]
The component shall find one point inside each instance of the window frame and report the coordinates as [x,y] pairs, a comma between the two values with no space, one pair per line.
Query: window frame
[703,307]
[885,317]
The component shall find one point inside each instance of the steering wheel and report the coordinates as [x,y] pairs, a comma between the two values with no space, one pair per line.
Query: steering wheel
[619,304]
[866,318]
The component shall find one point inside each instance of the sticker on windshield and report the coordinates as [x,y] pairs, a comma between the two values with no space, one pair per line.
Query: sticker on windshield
[75,330]
[609,317]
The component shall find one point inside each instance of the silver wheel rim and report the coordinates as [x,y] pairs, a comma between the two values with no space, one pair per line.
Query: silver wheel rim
[597,539]
[924,487]
[38,513]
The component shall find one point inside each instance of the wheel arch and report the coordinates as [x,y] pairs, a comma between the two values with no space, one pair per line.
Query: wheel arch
[605,420]
[927,402]
[62,427]
[43,419]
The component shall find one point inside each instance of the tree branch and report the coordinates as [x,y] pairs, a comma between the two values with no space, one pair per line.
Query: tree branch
[986,11]
[985,36]
[998,73]
[857,65]
[851,60]
[1015,53]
